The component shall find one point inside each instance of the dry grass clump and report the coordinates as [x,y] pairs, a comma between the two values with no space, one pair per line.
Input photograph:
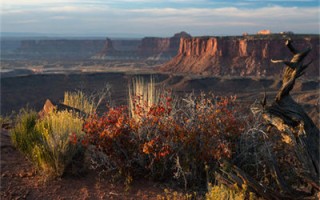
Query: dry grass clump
[143,93]
[80,101]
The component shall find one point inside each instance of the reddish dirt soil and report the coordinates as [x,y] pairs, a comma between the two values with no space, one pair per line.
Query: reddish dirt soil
[20,181]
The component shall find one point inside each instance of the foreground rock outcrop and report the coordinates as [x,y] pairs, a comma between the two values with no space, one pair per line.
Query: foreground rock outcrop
[49,107]
[238,56]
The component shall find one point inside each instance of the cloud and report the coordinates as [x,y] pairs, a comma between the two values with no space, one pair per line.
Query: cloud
[60,17]
[88,17]
[281,0]
[75,9]
[269,12]
[35,2]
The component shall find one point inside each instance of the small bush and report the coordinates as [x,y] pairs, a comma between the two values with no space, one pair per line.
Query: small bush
[169,140]
[24,135]
[112,136]
[165,137]
[60,132]
[50,143]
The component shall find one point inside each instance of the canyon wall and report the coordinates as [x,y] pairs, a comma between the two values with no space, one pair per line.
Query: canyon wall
[149,48]
[239,56]
[247,55]
[161,48]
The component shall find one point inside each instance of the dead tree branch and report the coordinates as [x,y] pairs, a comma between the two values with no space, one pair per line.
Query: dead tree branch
[291,119]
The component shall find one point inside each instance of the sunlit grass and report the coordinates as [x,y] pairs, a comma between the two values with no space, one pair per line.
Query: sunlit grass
[142,92]
[80,101]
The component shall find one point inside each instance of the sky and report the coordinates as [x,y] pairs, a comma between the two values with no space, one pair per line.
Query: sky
[160,18]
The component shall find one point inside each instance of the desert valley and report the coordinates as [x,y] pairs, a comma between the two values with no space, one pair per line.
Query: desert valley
[237,68]
[43,68]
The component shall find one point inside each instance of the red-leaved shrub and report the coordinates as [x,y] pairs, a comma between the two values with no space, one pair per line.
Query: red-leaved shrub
[167,139]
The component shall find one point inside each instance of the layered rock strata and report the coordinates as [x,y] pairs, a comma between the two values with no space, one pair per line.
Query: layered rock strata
[239,56]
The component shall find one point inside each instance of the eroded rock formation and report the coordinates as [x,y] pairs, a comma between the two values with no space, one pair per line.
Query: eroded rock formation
[243,55]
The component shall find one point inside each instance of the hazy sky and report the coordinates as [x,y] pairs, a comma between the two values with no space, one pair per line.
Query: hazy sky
[158,17]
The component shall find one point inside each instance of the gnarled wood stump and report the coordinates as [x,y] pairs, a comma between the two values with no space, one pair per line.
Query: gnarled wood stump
[290,118]
[292,121]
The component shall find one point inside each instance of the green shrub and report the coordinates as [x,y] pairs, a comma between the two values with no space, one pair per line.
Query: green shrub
[50,143]
[24,135]
[57,131]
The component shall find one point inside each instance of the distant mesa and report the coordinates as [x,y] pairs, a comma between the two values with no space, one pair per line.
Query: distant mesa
[62,49]
[149,48]
[239,55]
[246,55]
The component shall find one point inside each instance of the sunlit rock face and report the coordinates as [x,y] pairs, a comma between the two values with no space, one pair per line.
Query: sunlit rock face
[240,56]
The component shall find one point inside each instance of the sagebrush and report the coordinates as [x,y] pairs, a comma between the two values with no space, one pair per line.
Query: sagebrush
[47,142]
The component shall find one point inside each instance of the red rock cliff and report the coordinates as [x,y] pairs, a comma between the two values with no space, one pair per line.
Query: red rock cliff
[244,56]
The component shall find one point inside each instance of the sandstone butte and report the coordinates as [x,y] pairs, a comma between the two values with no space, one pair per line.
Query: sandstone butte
[240,55]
